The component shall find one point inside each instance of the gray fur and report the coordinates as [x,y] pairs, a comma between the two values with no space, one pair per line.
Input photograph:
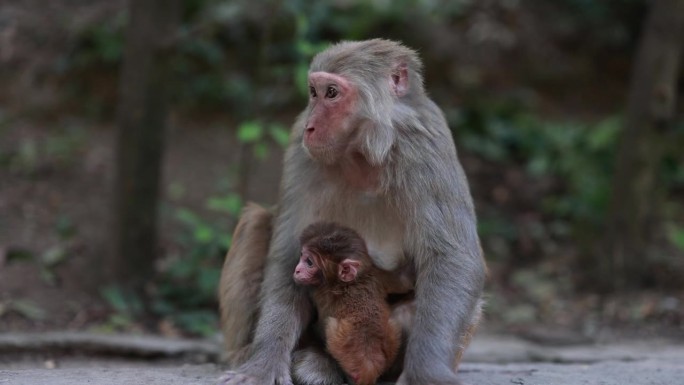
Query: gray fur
[422,211]
[312,366]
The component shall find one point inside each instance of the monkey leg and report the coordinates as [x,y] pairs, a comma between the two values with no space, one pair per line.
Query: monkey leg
[402,315]
[241,279]
[314,366]
[469,333]
[239,287]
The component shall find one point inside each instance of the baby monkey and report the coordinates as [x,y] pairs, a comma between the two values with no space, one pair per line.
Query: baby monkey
[351,300]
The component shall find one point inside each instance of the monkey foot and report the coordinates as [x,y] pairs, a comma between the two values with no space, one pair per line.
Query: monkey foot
[236,378]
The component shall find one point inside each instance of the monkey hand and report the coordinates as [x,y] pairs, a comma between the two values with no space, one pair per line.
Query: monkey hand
[256,375]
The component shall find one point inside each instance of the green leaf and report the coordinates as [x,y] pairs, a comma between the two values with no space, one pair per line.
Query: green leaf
[203,234]
[604,134]
[250,132]
[302,24]
[538,166]
[301,74]
[225,240]
[187,217]
[202,322]
[182,269]
[54,256]
[208,280]
[280,134]
[19,255]
[115,298]
[48,276]
[121,301]
[65,227]
[260,151]
[163,307]
[676,235]
[231,204]
[119,321]
[29,309]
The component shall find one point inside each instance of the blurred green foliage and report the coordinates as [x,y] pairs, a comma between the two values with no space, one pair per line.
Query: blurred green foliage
[98,44]
[261,137]
[249,60]
[570,166]
[127,308]
[185,292]
[243,55]
[62,146]
[24,307]
[577,156]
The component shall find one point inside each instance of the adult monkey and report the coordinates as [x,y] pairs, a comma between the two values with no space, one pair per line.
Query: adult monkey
[371,151]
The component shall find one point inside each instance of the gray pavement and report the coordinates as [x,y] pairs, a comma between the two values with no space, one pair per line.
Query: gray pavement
[491,360]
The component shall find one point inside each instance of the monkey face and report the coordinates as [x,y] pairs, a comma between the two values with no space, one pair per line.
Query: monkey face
[307,271]
[332,116]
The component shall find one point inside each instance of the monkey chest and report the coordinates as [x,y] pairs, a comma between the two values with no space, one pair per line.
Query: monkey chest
[380,226]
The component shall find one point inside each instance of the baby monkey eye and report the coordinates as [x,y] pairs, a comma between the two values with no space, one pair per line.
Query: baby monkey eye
[331,92]
[312,91]
[309,262]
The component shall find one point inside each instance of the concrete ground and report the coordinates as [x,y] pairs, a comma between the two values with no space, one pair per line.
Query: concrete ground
[491,360]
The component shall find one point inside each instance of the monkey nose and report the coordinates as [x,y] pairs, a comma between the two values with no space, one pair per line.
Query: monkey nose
[310,130]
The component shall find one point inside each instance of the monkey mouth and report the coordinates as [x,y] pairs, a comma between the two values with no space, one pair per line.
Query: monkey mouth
[324,153]
[313,282]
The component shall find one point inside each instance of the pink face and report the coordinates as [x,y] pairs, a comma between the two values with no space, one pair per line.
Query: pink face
[307,271]
[332,101]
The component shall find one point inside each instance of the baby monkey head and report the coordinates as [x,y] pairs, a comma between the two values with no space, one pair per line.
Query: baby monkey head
[330,253]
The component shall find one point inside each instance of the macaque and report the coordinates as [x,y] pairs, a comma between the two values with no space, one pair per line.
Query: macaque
[371,151]
[350,298]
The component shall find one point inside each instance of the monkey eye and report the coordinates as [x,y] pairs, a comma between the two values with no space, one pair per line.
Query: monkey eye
[309,262]
[331,92]
[312,91]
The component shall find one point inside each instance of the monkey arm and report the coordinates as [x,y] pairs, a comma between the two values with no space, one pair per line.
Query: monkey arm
[285,310]
[450,278]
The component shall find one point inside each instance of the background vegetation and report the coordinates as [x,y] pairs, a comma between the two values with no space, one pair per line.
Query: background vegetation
[536,94]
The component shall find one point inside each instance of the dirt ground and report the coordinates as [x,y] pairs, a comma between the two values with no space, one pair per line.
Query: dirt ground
[492,360]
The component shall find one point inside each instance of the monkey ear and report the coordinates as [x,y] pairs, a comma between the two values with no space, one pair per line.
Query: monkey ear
[348,270]
[399,80]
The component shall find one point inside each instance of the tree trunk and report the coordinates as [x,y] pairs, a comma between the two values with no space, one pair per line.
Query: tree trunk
[650,111]
[141,117]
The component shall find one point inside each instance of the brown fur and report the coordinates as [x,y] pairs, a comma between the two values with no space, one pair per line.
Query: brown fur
[246,259]
[358,330]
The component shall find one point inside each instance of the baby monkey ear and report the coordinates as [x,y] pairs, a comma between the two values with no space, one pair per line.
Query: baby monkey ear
[348,269]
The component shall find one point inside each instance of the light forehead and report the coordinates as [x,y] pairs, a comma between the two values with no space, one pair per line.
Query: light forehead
[327,78]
